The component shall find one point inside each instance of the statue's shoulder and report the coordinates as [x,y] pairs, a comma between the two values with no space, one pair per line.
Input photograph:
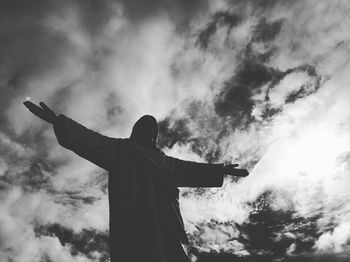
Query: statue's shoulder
[128,143]
[125,142]
[119,143]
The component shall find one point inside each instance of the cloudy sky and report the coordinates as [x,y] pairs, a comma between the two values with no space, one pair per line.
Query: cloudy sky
[262,83]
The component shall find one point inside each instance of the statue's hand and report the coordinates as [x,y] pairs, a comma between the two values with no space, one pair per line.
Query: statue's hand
[231,170]
[43,112]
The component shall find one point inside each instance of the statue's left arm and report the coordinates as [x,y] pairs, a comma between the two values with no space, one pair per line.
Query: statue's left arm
[98,149]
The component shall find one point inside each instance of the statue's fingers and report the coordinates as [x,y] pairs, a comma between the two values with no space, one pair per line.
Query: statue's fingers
[36,110]
[242,172]
[45,107]
[31,106]
[28,103]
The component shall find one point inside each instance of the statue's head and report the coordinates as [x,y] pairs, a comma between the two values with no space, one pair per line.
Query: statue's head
[145,131]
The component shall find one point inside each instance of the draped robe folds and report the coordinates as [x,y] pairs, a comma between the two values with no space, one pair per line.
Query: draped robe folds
[144,215]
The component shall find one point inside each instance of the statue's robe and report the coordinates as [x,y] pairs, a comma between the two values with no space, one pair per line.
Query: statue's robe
[145,219]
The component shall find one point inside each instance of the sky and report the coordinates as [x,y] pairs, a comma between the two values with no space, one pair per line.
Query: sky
[261,83]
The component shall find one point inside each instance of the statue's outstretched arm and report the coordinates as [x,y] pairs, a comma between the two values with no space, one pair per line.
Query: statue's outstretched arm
[98,149]
[193,174]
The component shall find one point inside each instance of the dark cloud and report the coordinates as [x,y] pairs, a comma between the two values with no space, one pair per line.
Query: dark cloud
[235,98]
[173,131]
[219,19]
[268,234]
[266,31]
[76,198]
[37,176]
[297,94]
[273,231]
[86,242]
[199,146]
[252,73]
[178,131]
[253,70]
[305,90]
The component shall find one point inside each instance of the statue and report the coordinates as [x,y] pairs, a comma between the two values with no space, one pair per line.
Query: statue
[145,219]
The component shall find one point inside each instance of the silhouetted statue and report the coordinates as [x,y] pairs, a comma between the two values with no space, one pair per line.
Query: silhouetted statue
[145,219]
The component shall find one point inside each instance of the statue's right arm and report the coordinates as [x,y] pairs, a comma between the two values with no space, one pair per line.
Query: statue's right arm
[100,150]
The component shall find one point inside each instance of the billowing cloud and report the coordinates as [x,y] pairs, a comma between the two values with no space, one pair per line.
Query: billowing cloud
[260,83]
